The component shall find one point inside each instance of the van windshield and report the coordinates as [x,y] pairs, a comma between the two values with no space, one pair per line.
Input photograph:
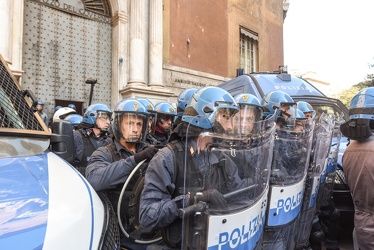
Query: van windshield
[295,87]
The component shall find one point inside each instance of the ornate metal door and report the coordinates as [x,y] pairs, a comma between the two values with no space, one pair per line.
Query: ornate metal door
[64,43]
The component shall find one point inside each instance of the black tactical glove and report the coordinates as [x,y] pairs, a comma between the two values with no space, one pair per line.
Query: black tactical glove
[146,154]
[215,198]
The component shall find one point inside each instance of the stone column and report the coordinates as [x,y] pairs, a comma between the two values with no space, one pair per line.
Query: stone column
[11,26]
[137,43]
[119,55]
[155,43]
[5,27]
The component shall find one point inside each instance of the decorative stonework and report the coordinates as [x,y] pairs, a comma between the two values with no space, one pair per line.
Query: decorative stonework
[97,10]
[98,6]
[177,79]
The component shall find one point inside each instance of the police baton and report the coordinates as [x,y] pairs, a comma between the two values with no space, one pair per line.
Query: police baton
[236,192]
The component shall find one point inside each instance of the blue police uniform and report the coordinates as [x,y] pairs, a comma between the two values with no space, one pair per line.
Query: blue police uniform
[158,203]
[86,142]
[44,118]
[105,172]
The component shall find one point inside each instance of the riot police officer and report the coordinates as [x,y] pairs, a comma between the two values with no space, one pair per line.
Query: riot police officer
[288,170]
[279,102]
[110,165]
[191,176]
[165,114]
[321,145]
[39,106]
[182,100]
[90,134]
[151,110]
[250,124]
[307,109]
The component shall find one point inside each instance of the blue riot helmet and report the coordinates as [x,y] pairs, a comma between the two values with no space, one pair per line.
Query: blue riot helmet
[275,100]
[72,106]
[297,121]
[97,111]
[130,118]
[307,109]
[251,112]
[75,119]
[151,110]
[361,115]
[165,112]
[209,106]
[362,105]
[57,108]
[165,108]
[147,104]
[36,107]
[37,102]
[183,98]
[243,100]
[247,99]
[281,102]
[297,114]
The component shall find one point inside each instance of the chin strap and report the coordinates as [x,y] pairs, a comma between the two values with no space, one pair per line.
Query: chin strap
[102,131]
[131,140]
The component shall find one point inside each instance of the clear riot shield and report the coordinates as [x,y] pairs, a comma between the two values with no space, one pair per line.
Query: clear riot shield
[322,137]
[328,174]
[226,176]
[290,161]
[325,208]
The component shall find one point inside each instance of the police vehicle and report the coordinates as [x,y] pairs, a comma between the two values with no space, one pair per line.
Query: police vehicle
[44,202]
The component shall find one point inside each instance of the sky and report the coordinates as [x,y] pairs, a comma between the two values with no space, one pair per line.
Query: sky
[333,38]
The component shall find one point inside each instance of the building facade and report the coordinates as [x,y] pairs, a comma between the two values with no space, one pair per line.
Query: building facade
[58,49]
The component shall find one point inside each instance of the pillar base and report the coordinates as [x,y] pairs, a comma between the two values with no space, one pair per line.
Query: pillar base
[153,93]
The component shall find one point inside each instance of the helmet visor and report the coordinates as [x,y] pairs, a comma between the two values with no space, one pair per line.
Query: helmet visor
[286,111]
[222,117]
[103,115]
[248,120]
